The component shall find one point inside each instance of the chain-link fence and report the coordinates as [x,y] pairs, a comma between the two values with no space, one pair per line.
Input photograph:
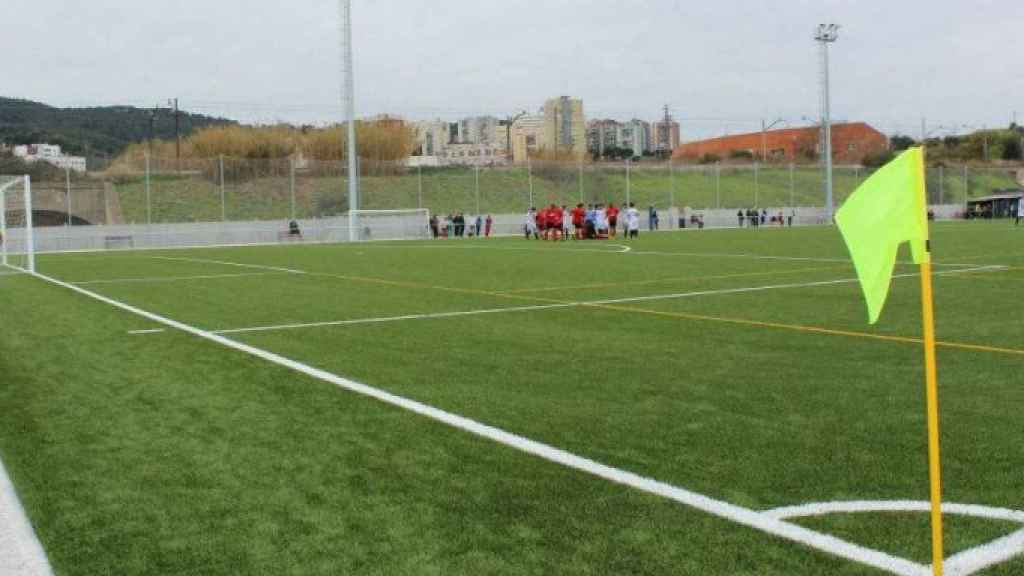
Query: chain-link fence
[162,191]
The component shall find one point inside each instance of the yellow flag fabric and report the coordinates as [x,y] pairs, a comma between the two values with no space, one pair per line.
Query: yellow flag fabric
[885,211]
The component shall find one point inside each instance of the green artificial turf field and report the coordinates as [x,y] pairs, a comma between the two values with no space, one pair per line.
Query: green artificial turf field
[734,365]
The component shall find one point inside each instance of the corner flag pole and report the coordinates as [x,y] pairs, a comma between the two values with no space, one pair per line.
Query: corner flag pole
[931,381]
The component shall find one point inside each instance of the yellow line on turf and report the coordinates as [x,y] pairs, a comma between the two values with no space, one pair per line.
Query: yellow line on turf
[684,316]
[675,279]
[810,329]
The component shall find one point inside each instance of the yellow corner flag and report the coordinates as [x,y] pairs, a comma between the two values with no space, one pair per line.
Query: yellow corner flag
[887,210]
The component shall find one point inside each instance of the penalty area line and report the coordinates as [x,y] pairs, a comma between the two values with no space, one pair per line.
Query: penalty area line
[734,513]
[537,307]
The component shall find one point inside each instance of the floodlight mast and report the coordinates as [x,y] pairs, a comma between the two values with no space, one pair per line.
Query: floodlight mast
[825,35]
[348,102]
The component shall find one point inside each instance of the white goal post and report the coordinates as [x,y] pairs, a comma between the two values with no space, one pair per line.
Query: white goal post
[412,224]
[17,242]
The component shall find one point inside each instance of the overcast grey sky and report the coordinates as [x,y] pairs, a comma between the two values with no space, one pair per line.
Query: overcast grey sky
[722,65]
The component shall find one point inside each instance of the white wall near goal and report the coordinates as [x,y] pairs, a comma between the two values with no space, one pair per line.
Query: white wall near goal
[17,250]
[390,224]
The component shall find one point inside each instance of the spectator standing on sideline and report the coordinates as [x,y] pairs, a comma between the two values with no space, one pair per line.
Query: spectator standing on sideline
[792,214]
[781,220]
[632,222]
[479,224]
[449,226]
[652,218]
[434,224]
[739,217]
[488,224]
[1020,211]
[764,216]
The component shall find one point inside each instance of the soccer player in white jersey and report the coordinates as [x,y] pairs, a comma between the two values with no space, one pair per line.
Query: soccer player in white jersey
[530,225]
[632,221]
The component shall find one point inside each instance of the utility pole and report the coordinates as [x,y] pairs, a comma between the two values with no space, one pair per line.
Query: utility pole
[825,35]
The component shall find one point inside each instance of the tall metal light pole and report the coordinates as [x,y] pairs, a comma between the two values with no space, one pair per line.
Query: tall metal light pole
[348,101]
[825,35]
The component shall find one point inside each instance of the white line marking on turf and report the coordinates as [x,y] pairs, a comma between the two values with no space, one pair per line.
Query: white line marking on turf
[721,509]
[430,316]
[226,263]
[150,331]
[156,279]
[382,320]
[981,557]
[963,563]
[21,553]
[777,287]
[857,506]
[768,257]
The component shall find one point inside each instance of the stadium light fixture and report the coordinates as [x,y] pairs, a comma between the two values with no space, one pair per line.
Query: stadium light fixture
[348,102]
[825,35]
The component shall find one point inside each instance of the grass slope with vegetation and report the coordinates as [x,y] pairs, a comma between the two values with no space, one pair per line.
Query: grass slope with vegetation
[321,190]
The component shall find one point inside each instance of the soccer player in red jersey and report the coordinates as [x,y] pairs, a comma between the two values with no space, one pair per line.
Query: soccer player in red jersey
[613,218]
[577,220]
[554,222]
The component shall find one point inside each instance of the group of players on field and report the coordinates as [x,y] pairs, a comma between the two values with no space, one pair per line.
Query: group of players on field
[593,222]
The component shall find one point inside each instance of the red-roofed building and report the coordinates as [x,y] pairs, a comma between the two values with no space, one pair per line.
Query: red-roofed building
[851,142]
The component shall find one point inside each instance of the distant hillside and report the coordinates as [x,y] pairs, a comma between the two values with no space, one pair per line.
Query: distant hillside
[90,131]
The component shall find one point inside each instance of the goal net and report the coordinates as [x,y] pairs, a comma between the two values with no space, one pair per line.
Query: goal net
[17,252]
[370,225]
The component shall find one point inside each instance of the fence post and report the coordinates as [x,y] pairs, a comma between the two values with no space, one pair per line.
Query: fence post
[718,185]
[629,190]
[3,227]
[671,185]
[942,183]
[223,200]
[757,184]
[476,173]
[149,202]
[419,187]
[529,176]
[581,180]
[67,184]
[291,184]
[792,186]
[967,190]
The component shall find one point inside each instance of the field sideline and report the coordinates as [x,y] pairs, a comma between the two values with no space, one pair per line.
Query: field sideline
[179,411]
